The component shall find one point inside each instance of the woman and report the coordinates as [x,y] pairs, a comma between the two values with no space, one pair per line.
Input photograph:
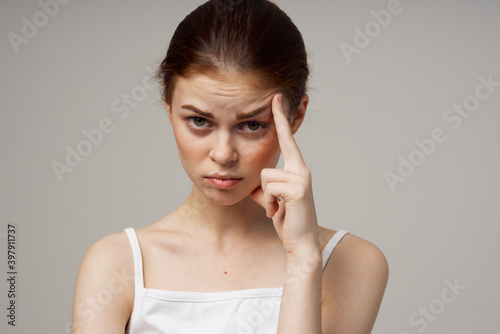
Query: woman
[244,253]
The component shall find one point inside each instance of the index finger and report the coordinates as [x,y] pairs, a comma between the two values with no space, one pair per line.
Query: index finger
[289,149]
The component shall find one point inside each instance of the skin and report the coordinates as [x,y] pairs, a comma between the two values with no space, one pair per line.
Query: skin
[242,237]
[226,145]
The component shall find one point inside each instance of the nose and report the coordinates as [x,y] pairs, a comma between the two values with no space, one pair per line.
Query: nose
[223,150]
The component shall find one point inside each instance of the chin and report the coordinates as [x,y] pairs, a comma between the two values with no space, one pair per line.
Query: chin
[225,197]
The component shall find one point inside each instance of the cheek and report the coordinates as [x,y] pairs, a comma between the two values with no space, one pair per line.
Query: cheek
[264,153]
[189,150]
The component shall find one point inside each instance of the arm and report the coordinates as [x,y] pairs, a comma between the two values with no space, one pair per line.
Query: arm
[354,282]
[344,300]
[300,310]
[104,288]
[360,274]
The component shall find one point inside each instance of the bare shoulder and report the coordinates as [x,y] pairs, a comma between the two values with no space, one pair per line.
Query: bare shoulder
[104,289]
[112,245]
[110,253]
[354,282]
[353,251]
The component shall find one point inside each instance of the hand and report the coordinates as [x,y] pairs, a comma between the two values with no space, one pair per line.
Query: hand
[293,213]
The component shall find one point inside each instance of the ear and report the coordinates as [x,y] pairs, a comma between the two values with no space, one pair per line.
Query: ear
[169,111]
[300,114]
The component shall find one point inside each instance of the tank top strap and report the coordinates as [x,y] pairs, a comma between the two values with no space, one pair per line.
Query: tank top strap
[136,251]
[330,246]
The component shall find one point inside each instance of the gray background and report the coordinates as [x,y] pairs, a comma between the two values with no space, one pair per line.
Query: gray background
[441,224]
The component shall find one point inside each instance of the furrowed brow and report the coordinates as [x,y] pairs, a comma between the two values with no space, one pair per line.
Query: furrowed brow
[202,113]
[238,117]
[252,113]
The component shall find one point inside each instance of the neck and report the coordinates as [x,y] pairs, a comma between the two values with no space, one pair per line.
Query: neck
[224,225]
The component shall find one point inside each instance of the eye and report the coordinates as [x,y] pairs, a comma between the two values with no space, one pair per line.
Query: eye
[197,121]
[253,126]
[201,125]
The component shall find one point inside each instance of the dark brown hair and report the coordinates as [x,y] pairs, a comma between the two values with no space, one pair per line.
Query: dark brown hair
[224,36]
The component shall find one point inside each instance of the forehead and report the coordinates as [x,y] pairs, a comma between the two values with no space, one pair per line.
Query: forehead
[234,91]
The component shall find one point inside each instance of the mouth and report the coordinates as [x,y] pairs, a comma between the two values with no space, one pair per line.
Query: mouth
[223,176]
[223,181]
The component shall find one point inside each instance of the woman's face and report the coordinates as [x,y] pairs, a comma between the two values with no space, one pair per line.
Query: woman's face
[225,134]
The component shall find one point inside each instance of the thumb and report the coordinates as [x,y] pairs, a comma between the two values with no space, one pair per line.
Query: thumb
[258,196]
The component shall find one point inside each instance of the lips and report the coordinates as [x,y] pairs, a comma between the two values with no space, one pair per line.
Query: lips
[223,181]
[224,176]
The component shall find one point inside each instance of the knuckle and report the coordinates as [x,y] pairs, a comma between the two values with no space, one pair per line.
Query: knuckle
[301,191]
[264,172]
[306,175]
[307,172]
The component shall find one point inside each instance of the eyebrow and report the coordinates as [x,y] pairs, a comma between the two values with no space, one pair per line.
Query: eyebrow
[238,117]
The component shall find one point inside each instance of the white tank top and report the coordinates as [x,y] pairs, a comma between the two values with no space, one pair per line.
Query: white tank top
[249,311]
